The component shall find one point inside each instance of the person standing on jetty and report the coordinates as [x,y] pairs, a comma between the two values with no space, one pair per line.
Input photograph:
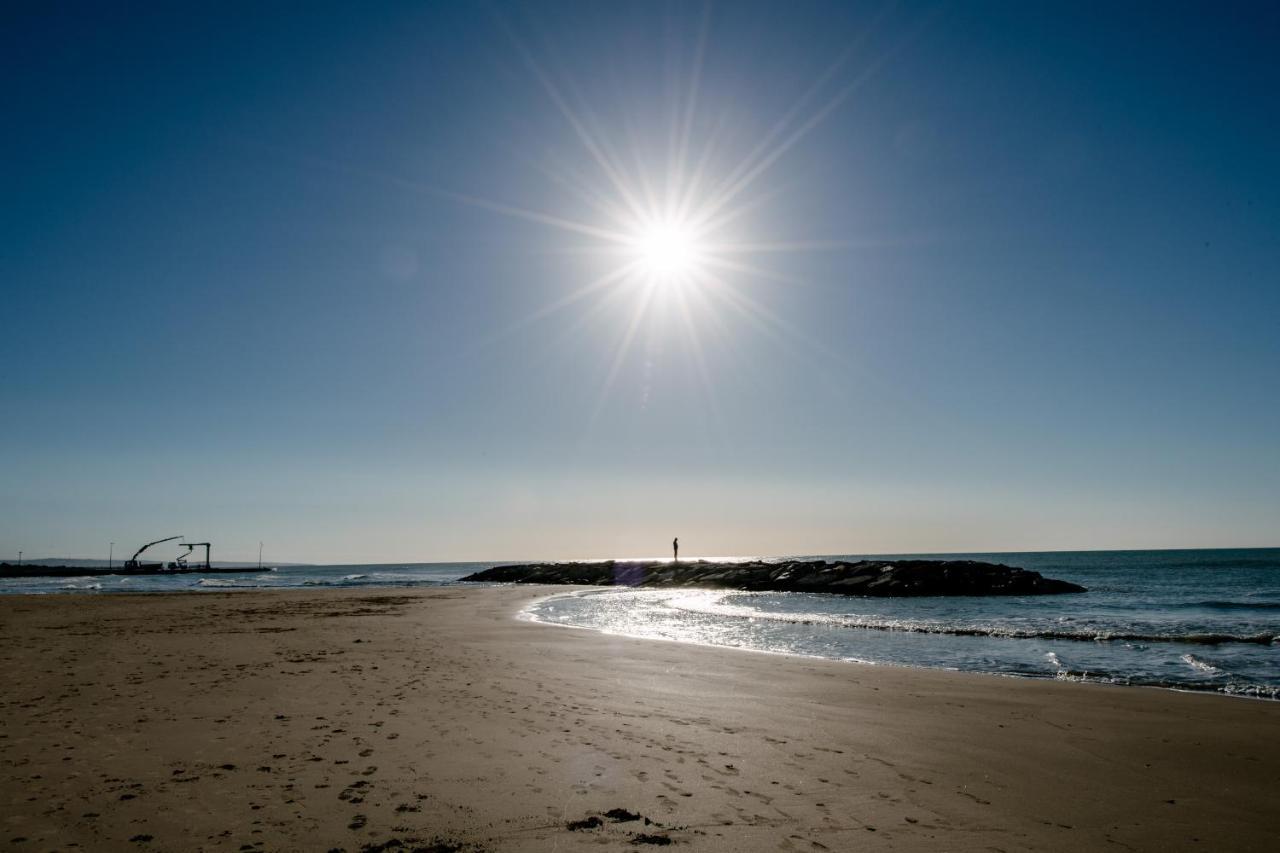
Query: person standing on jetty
[675,549]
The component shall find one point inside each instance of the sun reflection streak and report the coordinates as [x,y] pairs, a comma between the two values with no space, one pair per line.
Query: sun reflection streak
[624,346]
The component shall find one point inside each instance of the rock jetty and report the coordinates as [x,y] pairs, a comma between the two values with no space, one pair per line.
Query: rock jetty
[885,578]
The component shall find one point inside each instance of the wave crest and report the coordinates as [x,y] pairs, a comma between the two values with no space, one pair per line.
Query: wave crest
[719,608]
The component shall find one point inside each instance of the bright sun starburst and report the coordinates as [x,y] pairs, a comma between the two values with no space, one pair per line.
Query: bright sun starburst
[670,227]
[668,251]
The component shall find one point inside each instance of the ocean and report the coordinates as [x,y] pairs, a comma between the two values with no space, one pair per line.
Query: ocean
[1206,620]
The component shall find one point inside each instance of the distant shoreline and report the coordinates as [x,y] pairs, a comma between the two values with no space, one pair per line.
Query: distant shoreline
[32,570]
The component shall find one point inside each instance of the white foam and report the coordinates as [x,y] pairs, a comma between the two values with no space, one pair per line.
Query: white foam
[1200,665]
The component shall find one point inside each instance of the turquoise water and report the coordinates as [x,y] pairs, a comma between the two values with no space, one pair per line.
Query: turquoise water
[1196,620]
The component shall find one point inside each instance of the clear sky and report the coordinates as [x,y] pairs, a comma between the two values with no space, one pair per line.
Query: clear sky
[375,282]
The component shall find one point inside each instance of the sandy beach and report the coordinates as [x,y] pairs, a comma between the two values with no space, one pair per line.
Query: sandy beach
[436,720]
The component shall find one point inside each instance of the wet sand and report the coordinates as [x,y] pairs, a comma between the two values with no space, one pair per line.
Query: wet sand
[434,720]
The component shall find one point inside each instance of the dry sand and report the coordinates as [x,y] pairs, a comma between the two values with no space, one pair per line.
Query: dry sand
[368,719]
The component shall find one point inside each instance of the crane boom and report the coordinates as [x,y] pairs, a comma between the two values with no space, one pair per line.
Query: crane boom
[134,560]
[190,546]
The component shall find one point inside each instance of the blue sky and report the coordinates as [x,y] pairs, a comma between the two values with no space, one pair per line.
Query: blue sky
[263,279]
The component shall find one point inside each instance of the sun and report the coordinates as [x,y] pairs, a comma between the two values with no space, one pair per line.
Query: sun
[668,205]
[667,251]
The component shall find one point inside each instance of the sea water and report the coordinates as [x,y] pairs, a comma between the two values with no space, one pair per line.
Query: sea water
[1195,620]
[281,577]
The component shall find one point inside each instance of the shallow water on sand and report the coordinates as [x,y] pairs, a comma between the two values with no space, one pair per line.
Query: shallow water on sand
[1196,620]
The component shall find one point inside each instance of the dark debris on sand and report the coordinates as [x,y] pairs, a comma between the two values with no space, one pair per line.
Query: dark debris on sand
[437,844]
[615,815]
[645,838]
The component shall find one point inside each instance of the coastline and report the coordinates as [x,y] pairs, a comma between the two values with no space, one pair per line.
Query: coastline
[342,718]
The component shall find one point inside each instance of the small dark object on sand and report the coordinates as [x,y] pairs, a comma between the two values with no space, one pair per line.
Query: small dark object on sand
[586,823]
[415,845]
[659,840]
[622,815]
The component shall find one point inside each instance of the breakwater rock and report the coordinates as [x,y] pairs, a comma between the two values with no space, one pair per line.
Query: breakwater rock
[864,577]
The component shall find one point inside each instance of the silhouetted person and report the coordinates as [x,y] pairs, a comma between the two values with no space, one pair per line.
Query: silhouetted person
[675,548]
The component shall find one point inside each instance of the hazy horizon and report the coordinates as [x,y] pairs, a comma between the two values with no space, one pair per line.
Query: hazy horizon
[565,280]
[93,562]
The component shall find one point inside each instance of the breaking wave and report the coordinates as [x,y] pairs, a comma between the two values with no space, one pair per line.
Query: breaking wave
[695,604]
[1232,605]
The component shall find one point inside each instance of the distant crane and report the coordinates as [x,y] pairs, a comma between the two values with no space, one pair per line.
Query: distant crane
[133,564]
[181,562]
